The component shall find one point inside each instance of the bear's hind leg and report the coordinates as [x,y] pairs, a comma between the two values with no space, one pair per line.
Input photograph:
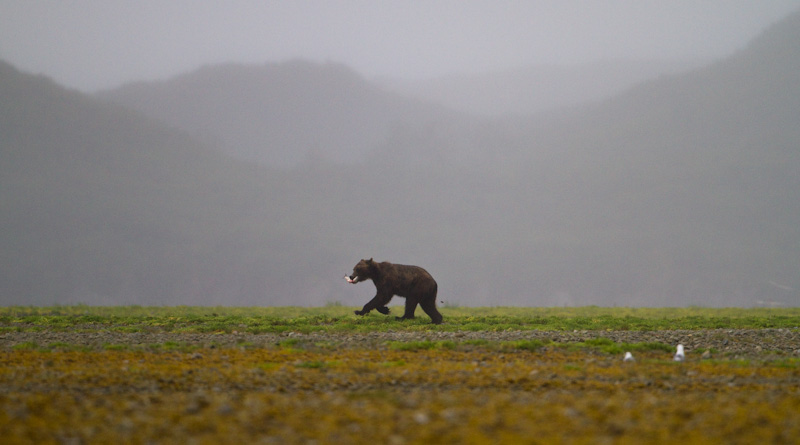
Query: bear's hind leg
[429,306]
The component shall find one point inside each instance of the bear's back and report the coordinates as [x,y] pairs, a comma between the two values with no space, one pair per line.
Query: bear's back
[404,279]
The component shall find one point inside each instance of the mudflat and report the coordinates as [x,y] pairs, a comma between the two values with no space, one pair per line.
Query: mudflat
[95,386]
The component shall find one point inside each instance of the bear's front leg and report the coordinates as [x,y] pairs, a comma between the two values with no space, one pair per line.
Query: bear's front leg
[383,310]
[378,302]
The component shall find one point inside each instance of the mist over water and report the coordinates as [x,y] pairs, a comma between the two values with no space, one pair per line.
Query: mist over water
[557,154]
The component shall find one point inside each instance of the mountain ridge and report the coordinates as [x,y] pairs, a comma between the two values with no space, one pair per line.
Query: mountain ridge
[679,191]
[279,114]
[537,89]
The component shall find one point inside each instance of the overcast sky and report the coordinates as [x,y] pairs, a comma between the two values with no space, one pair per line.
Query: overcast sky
[94,44]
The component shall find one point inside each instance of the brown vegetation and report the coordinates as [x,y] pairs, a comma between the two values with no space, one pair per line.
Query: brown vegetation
[299,391]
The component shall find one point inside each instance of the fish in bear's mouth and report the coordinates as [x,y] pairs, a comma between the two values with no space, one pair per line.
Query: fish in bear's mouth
[351,279]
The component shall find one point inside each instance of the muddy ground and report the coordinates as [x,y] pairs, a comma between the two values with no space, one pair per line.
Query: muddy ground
[109,387]
[727,342]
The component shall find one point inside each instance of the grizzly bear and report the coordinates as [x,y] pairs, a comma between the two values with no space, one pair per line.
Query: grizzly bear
[413,283]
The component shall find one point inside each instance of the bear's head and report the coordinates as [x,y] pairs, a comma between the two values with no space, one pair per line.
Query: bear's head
[364,270]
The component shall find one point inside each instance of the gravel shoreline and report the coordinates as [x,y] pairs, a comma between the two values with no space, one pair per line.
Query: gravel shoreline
[737,342]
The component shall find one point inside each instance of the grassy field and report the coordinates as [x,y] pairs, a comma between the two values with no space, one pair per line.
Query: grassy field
[341,319]
[79,374]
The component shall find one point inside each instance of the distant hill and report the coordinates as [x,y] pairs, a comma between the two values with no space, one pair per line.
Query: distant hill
[687,183]
[279,114]
[102,205]
[681,190]
[536,89]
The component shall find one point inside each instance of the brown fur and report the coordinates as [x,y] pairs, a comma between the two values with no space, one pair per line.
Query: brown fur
[413,283]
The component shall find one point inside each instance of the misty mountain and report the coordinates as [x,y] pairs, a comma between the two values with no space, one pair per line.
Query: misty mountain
[279,114]
[681,190]
[694,177]
[535,89]
[103,205]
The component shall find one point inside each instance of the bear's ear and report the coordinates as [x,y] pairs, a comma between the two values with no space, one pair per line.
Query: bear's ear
[373,266]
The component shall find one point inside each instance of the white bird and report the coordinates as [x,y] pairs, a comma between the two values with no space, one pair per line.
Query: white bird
[628,357]
[679,356]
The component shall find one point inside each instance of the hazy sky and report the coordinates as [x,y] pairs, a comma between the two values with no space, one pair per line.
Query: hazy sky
[93,44]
